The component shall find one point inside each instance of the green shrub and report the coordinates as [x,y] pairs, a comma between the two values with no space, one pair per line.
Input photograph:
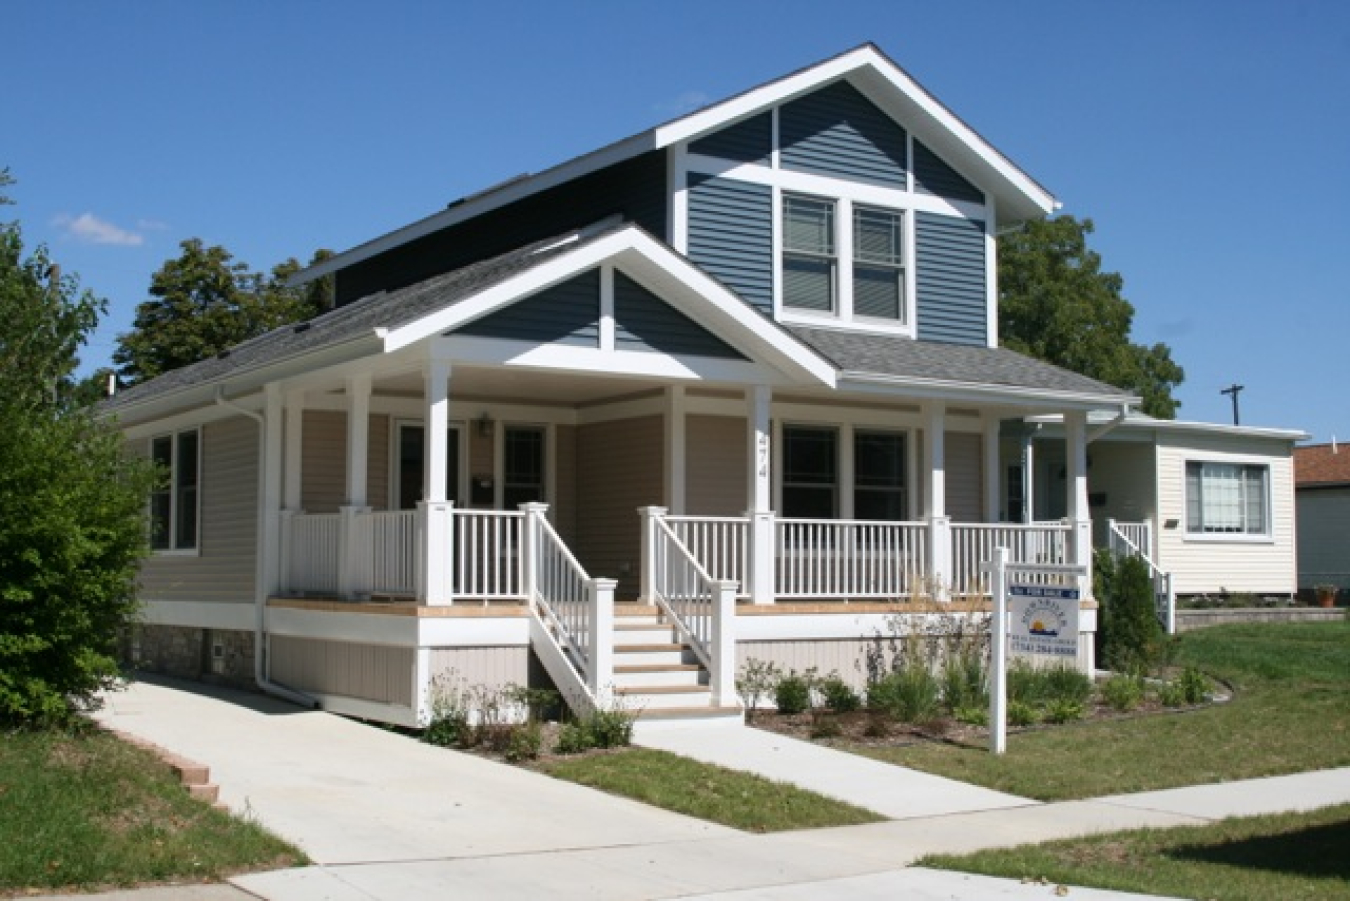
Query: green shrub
[825,725]
[1131,638]
[573,738]
[792,694]
[1171,694]
[1020,713]
[1063,710]
[839,695]
[610,727]
[972,716]
[910,694]
[756,681]
[1025,683]
[964,681]
[1123,692]
[525,742]
[1065,683]
[1195,686]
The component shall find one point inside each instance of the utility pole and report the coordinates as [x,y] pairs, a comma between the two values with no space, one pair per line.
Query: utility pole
[1233,390]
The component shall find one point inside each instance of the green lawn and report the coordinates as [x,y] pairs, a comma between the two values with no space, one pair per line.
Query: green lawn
[732,798]
[1286,857]
[85,810]
[1290,713]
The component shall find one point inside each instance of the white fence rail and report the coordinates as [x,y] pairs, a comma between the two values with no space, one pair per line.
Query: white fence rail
[488,564]
[851,559]
[973,544]
[1134,539]
[391,536]
[721,544]
[315,547]
[563,594]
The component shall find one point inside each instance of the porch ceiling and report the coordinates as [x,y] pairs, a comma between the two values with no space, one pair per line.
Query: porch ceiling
[532,386]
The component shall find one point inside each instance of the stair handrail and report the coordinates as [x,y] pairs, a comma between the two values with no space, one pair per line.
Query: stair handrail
[1120,544]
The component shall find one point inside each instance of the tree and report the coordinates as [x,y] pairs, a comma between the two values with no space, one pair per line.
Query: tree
[1056,304]
[204,302]
[72,504]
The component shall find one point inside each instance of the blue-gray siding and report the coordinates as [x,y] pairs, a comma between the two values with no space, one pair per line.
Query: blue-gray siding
[933,176]
[950,279]
[745,142]
[567,313]
[643,321]
[731,235]
[838,131]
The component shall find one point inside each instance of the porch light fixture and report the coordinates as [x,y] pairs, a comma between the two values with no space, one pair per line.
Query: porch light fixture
[485,425]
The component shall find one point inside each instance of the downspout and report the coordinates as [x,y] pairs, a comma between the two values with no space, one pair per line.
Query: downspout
[259,591]
[1106,427]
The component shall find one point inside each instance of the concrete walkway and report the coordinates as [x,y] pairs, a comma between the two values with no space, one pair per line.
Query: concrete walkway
[385,817]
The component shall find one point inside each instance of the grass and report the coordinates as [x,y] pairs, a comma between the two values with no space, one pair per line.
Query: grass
[82,809]
[1286,856]
[740,800]
[1290,713]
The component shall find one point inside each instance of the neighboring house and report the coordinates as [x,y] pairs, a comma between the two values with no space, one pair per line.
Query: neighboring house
[1322,490]
[1210,506]
[769,325]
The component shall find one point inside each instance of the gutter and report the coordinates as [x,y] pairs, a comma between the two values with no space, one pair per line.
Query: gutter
[1102,430]
[259,590]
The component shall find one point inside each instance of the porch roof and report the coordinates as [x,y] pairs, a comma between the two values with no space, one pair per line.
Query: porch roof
[915,364]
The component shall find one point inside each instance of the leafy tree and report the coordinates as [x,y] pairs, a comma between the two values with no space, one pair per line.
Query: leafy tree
[1056,304]
[203,302]
[72,504]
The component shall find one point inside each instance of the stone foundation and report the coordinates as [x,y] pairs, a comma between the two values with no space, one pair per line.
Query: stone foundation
[218,656]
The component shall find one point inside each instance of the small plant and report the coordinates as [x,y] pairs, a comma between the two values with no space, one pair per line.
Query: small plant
[825,725]
[1171,694]
[963,681]
[1123,692]
[755,682]
[1195,686]
[1022,714]
[525,742]
[1063,710]
[792,694]
[1064,683]
[910,694]
[839,695]
[972,716]
[448,726]
[608,727]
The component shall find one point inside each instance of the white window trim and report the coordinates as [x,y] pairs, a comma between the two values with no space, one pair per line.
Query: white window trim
[171,551]
[1266,537]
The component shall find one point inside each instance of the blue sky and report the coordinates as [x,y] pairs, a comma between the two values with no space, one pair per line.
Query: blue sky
[1210,142]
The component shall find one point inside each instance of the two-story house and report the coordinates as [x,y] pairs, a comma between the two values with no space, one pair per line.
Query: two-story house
[739,373]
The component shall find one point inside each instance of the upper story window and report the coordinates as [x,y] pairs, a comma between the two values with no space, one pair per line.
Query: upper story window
[1227,499]
[174,507]
[810,258]
[878,264]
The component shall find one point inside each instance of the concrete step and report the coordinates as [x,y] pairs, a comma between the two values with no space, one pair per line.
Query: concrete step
[643,633]
[652,655]
[204,791]
[662,674]
[654,719]
[659,697]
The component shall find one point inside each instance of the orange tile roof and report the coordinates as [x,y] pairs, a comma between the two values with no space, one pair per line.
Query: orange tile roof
[1316,464]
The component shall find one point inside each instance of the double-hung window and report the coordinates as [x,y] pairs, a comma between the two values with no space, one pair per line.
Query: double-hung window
[879,476]
[810,255]
[1227,499]
[810,472]
[174,509]
[878,264]
[523,466]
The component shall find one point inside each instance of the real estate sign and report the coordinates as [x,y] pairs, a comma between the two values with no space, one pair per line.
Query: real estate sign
[1043,619]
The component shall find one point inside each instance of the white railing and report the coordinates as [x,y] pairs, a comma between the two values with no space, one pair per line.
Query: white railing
[391,536]
[849,559]
[721,544]
[973,544]
[1124,540]
[315,552]
[701,608]
[488,564]
[561,589]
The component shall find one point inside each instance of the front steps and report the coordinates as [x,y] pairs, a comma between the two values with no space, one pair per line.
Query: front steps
[658,676]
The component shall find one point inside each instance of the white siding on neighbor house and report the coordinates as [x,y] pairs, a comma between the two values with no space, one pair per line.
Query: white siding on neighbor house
[715,460]
[223,568]
[1121,473]
[378,673]
[1238,564]
[1323,537]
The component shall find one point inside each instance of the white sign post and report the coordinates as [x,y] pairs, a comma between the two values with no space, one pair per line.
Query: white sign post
[1031,618]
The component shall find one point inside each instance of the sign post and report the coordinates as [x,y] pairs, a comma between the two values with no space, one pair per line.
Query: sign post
[998,655]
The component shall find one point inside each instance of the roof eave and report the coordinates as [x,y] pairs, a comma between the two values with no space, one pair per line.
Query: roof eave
[983,392]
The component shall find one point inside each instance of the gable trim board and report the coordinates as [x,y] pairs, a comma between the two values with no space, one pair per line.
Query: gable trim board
[866,68]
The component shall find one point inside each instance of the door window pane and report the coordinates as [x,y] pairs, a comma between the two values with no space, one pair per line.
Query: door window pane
[411,468]
[523,466]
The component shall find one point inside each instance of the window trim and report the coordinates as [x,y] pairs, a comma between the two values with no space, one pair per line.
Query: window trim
[174,489]
[1267,536]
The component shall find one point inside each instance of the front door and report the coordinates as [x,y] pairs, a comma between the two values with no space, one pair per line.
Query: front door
[410,471]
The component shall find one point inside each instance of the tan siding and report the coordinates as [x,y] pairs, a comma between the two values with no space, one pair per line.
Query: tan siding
[716,466]
[223,570]
[1324,537]
[1199,566]
[619,469]
[370,672]
[489,667]
[482,465]
[323,465]
[965,477]
[565,494]
[1122,472]
[377,467]
[847,657]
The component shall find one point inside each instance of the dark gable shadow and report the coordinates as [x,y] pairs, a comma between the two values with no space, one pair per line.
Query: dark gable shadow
[1321,852]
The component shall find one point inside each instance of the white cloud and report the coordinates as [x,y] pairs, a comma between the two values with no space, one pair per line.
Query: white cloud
[92,230]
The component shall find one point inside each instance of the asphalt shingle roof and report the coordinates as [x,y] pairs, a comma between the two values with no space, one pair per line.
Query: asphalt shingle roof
[894,355]
[1321,464]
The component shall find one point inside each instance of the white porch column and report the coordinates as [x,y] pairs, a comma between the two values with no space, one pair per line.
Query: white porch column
[760,565]
[935,499]
[993,468]
[1075,453]
[270,502]
[292,484]
[1028,478]
[437,514]
[358,438]
[676,449]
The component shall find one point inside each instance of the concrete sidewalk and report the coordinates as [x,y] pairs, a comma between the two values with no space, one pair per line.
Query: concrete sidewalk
[385,817]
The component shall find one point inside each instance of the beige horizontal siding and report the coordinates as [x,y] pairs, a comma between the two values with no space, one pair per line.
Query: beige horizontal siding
[564,496]
[619,469]
[377,673]
[965,476]
[323,463]
[716,466]
[223,568]
[1246,565]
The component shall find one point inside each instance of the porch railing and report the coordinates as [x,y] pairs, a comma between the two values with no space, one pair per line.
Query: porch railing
[391,536]
[974,543]
[700,607]
[487,563]
[314,552]
[721,544]
[850,558]
[1123,540]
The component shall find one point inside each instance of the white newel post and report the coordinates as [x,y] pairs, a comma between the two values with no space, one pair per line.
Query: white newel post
[437,547]
[529,559]
[940,556]
[600,674]
[1075,439]
[759,454]
[722,677]
[354,540]
[648,575]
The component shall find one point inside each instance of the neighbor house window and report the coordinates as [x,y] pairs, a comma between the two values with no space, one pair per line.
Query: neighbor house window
[1227,499]
[878,264]
[523,466]
[174,512]
[809,253]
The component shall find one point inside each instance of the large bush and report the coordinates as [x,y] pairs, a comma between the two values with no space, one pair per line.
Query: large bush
[1131,639]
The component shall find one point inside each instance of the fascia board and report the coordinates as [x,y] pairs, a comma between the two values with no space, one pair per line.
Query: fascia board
[1189,426]
[977,393]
